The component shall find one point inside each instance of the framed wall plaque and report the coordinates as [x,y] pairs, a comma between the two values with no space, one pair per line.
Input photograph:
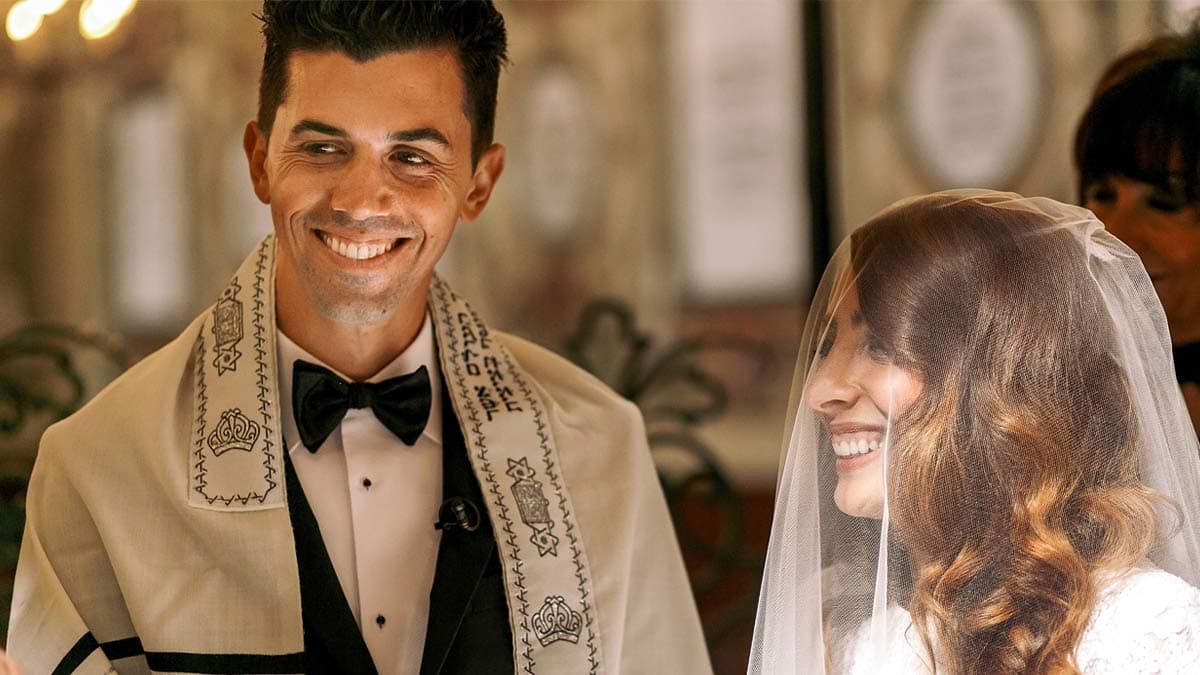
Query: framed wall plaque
[558,155]
[738,151]
[970,91]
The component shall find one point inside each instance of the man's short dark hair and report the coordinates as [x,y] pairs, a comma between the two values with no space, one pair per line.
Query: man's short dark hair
[373,28]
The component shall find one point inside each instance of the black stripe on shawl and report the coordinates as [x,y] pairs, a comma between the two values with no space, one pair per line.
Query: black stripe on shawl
[180,662]
[76,655]
[122,649]
[251,664]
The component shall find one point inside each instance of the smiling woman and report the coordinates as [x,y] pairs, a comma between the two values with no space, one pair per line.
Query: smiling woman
[988,458]
[855,392]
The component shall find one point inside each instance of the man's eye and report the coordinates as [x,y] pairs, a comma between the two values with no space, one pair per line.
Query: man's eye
[409,157]
[320,148]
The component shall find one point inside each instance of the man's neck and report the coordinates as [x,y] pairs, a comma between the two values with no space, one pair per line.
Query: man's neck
[358,351]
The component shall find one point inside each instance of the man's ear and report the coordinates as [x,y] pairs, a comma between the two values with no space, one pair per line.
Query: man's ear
[487,172]
[254,142]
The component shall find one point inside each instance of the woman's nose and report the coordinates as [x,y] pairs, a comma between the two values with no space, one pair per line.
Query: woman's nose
[830,388]
[1120,214]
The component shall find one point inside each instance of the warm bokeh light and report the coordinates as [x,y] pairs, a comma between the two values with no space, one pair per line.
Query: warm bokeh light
[45,7]
[24,19]
[98,18]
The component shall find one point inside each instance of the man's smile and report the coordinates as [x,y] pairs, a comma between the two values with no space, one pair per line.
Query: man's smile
[358,250]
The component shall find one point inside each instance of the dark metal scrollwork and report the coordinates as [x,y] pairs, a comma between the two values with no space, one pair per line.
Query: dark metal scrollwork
[39,371]
[42,380]
[675,394]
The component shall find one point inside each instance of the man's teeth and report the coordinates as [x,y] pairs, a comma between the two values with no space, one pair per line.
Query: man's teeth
[855,447]
[356,251]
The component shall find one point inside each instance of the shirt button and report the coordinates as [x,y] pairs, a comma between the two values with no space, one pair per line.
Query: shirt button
[367,483]
[380,620]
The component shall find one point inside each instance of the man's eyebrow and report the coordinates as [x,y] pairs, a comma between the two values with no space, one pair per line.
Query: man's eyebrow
[318,127]
[422,134]
[857,319]
[406,136]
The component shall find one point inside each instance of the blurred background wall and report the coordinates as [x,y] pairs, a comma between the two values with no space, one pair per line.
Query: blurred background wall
[695,161]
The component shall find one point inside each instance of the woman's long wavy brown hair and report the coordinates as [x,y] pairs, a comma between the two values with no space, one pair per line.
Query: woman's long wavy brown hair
[1015,477]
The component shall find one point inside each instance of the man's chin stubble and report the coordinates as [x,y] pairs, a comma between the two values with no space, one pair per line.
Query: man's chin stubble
[356,314]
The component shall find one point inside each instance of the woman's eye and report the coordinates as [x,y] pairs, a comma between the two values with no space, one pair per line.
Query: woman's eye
[1099,192]
[827,341]
[825,346]
[1161,200]
[877,350]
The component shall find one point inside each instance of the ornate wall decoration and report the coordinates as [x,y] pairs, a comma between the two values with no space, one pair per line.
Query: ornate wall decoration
[559,145]
[583,208]
[970,92]
[875,48]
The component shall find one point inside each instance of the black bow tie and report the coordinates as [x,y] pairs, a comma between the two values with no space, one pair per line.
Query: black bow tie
[320,400]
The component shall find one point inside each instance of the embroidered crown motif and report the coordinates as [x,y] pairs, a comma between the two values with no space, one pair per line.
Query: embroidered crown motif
[235,431]
[557,621]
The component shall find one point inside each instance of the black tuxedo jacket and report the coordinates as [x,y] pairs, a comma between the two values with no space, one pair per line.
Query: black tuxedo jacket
[468,629]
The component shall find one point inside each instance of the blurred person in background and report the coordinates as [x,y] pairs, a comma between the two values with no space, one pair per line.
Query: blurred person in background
[1137,157]
[339,468]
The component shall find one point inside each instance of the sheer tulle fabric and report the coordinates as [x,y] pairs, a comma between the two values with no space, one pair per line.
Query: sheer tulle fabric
[984,434]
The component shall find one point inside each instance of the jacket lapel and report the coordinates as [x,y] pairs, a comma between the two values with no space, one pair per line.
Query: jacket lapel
[333,642]
[463,558]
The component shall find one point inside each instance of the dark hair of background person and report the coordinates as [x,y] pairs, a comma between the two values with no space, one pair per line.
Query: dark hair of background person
[1143,121]
[372,28]
[1015,475]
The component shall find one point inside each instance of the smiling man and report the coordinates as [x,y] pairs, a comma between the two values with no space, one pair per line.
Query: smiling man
[339,467]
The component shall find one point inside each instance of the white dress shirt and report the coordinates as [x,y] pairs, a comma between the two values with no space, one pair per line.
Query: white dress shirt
[375,500]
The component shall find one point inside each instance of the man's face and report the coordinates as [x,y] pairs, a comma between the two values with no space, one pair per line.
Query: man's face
[367,171]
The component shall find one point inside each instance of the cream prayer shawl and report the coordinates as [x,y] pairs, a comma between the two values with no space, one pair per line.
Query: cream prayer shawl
[158,537]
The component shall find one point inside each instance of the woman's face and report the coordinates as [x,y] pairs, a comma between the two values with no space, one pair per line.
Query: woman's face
[1163,228]
[858,395]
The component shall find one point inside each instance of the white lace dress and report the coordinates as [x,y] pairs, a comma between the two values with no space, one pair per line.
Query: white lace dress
[1146,622]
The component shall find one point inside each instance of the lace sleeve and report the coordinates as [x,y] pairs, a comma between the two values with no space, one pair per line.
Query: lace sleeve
[1146,622]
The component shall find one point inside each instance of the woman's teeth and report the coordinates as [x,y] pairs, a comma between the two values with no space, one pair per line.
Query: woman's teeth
[855,447]
[356,251]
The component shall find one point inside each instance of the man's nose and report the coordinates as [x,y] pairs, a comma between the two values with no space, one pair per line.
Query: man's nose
[364,190]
